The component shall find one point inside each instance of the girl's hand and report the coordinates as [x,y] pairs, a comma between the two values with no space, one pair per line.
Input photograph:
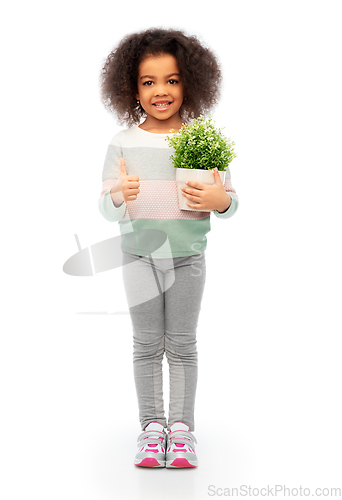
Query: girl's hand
[127,186]
[208,196]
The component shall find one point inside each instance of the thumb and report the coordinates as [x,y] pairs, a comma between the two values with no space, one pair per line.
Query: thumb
[217,176]
[122,167]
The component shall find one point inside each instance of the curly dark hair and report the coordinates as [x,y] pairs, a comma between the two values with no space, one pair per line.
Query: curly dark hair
[199,68]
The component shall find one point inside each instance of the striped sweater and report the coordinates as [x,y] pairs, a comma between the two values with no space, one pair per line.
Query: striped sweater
[147,155]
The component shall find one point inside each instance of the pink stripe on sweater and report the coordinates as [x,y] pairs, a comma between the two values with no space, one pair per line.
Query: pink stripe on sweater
[228,186]
[108,184]
[158,199]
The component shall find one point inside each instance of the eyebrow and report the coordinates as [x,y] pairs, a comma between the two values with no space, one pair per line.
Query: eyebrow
[151,76]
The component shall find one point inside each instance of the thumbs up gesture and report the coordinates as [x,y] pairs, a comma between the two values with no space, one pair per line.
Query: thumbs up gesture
[127,186]
[208,196]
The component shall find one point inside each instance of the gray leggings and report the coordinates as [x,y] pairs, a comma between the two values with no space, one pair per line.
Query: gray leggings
[164,298]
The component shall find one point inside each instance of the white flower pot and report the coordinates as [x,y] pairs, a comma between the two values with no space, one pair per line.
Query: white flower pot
[194,175]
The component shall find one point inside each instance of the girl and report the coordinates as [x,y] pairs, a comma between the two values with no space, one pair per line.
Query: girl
[153,81]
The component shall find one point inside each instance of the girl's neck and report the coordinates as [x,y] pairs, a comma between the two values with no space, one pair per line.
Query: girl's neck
[161,126]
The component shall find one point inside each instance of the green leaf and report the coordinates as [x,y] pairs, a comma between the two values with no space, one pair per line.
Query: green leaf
[201,145]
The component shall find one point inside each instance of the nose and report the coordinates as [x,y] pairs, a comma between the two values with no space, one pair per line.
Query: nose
[160,90]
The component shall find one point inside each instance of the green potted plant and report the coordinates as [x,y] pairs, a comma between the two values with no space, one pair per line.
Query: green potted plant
[198,149]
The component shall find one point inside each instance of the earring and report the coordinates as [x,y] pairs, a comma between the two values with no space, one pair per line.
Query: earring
[138,102]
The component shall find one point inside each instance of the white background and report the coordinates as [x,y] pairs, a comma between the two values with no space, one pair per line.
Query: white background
[268,408]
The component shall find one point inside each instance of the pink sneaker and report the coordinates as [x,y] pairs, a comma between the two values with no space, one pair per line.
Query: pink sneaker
[180,450]
[152,446]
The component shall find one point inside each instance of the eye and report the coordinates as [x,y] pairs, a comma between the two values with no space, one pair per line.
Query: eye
[148,83]
[173,81]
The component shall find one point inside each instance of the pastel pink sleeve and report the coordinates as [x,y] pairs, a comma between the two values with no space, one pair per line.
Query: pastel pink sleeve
[106,206]
[107,184]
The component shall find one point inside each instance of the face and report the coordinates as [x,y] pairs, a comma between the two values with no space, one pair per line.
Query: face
[160,91]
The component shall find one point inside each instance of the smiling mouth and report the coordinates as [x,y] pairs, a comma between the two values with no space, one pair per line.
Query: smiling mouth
[162,104]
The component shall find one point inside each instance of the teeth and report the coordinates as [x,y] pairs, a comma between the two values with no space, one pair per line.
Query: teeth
[162,105]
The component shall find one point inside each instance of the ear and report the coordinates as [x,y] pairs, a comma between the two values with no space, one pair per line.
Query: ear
[137,97]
